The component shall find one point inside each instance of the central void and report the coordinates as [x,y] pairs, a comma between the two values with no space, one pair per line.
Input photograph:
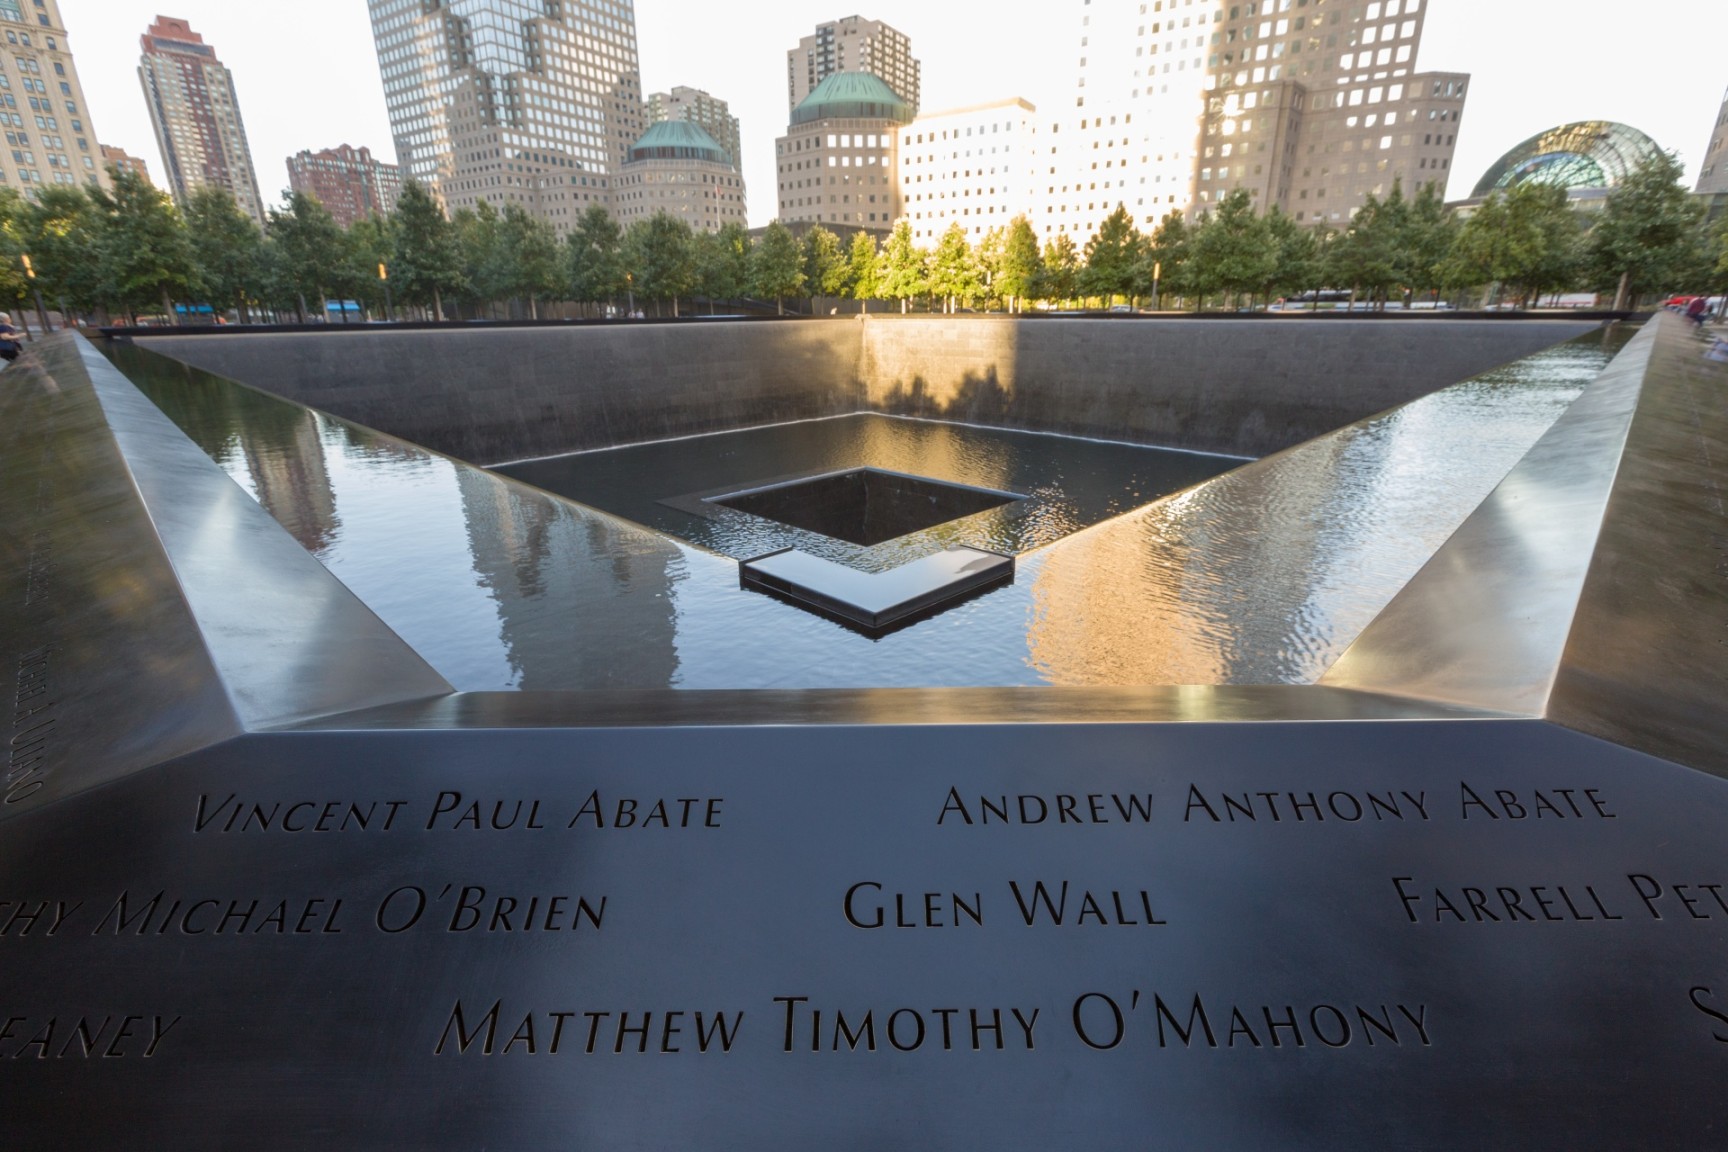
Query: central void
[865,506]
[870,491]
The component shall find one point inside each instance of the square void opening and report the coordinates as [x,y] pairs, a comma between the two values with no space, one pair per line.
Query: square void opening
[865,506]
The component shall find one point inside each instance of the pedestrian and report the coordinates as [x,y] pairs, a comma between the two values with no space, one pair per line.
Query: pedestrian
[1697,310]
[9,346]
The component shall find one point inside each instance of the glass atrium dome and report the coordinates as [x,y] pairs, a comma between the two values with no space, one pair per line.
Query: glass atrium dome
[852,96]
[1585,155]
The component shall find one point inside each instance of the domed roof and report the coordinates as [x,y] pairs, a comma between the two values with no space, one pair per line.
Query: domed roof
[853,96]
[1588,154]
[678,140]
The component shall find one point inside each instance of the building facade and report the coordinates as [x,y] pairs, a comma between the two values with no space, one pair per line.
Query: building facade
[49,136]
[679,169]
[969,166]
[1311,107]
[838,164]
[347,181]
[1713,176]
[512,101]
[699,107]
[196,114]
[126,162]
[853,44]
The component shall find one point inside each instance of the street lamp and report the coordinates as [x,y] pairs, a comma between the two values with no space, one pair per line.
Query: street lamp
[1157,275]
[630,291]
[384,278]
[41,312]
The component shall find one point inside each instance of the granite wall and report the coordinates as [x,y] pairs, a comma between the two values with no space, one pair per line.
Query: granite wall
[1246,387]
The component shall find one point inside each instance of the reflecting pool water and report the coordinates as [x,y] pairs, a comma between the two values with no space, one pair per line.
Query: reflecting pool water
[1068,483]
[1262,575]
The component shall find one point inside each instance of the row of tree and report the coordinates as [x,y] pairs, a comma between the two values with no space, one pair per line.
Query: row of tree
[132,250]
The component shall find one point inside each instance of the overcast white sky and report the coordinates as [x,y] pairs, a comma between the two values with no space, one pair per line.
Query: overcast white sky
[308,78]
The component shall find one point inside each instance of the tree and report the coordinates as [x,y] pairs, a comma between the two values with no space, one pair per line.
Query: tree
[147,258]
[594,257]
[309,242]
[428,260]
[1526,239]
[827,271]
[1017,276]
[900,269]
[485,270]
[861,260]
[62,232]
[660,258]
[723,263]
[777,265]
[14,237]
[367,248]
[1370,255]
[1164,263]
[953,275]
[1059,277]
[529,250]
[1433,230]
[1648,231]
[1295,255]
[1230,248]
[1112,258]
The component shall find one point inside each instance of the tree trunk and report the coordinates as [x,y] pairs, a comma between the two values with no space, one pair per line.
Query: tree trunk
[780,305]
[168,307]
[1620,297]
[437,306]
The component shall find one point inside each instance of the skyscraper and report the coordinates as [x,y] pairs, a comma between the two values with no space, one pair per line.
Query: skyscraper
[852,44]
[347,181]
[1713,177]
[49,136]
[196,114]
[699,107]
[1308,106]
[520,101]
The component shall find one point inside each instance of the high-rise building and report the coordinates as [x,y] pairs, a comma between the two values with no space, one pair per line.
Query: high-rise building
[49,136]
[698,107]
[347,181]
[512,101]
[125,161]
[679,169]
[196,114]
[852,44]
[838,164]
[1713,177]
[970,166]
[1311,107]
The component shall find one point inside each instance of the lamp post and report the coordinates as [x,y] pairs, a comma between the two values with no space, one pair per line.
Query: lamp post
[1157,275]
[384,278]
[41,312]
[630,291]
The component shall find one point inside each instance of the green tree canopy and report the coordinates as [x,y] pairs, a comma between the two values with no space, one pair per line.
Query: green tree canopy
[147,258]
[594,257]
[1017,277]
[1059,275]
[1648,232]
[861,260]
[1230,249]
[1112,258]
[953,272]
[777,265]
[661,257]
[827,270]
[428,260]
[900,268]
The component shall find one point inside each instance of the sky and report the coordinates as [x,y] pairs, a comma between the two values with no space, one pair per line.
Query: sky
[307,76]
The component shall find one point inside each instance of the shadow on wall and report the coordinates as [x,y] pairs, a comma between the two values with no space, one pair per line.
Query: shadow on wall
[978,398]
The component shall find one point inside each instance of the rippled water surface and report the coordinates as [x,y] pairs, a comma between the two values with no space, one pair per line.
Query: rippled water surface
[1262,575]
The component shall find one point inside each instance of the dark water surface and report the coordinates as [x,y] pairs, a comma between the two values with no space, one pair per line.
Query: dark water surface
[1262,575]
[1069,483]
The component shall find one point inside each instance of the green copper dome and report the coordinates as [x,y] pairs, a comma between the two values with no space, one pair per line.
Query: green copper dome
[853,96]
[678,140]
